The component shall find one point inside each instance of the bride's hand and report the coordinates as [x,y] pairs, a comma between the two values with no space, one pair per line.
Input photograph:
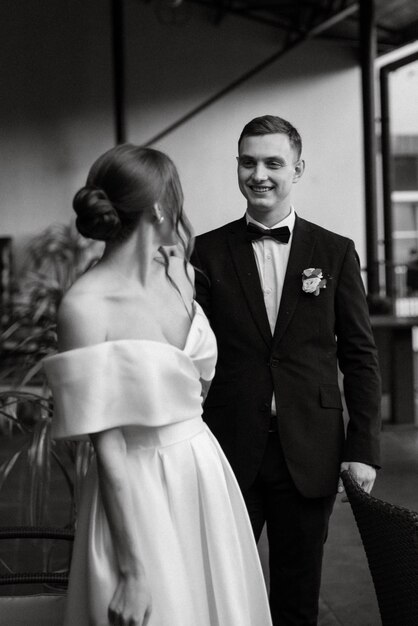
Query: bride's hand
[131,603]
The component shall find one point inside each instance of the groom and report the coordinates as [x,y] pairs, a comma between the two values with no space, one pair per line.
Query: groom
[286,302]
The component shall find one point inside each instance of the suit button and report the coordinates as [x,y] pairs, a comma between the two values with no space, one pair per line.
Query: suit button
[274,362]
[265,407]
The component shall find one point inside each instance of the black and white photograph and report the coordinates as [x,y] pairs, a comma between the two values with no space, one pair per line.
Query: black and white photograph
[209,313]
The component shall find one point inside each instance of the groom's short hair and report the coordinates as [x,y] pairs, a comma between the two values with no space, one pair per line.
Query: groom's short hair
[269,125]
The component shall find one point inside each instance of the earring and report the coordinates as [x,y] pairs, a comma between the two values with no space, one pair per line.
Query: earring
[160,219]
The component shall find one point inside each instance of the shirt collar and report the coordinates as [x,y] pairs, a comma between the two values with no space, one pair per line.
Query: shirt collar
[287,221]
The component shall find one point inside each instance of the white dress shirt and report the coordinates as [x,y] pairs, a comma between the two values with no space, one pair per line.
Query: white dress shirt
[272,257]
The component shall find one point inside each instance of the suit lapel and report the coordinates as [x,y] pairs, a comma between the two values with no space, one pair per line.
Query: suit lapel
[303,243]
[246,268]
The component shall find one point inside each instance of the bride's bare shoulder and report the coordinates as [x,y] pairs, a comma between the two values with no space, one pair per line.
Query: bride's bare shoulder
[81,319]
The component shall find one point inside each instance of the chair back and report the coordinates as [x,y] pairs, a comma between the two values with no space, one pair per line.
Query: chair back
[390,538]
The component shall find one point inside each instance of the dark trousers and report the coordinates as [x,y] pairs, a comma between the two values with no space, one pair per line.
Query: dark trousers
[297,529]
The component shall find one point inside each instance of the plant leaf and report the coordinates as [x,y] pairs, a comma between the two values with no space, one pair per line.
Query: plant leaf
[8,465]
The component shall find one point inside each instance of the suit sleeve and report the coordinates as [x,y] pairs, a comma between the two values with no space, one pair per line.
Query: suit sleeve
[357,356]
[202,281]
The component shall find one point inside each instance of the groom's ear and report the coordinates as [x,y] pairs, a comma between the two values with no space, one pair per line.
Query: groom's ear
[299,169]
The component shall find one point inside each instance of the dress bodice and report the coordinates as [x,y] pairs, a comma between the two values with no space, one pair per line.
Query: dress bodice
[130,382]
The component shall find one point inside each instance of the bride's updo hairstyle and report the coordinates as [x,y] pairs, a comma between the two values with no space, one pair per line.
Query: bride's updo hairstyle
[122,185]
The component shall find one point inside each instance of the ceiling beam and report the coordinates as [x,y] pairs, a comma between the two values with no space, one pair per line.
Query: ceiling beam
[313,32]
[283,24]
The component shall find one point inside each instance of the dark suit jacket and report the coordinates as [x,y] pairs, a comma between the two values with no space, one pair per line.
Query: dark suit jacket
[299,363]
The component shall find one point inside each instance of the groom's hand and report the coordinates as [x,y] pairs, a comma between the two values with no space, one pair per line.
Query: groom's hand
[363,474]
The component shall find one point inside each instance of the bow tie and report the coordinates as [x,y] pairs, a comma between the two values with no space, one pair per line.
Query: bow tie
[281,234]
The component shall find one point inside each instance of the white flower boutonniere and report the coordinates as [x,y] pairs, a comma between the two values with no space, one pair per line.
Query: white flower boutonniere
[313,280]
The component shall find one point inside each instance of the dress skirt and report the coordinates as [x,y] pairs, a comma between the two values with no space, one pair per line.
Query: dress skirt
[195,537]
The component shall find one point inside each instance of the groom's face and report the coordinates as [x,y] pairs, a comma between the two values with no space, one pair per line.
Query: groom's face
[267,168]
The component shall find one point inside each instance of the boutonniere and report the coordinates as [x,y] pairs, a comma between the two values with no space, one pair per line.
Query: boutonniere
[313,280]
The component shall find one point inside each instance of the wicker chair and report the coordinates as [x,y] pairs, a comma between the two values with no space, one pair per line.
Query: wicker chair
[28,532]
[40,608]
[390,538]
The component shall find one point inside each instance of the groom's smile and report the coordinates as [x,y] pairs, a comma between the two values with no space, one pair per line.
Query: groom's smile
[260,189]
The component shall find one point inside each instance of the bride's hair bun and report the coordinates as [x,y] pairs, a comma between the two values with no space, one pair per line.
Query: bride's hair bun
[97,218]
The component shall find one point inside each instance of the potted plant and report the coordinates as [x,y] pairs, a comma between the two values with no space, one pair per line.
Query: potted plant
[31,463]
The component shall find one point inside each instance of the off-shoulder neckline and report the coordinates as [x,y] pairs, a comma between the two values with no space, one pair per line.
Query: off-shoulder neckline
[196,308]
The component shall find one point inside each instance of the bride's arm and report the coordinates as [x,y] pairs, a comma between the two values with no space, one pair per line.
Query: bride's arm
[131,604]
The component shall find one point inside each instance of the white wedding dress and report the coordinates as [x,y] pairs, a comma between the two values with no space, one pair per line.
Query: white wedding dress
[196,541]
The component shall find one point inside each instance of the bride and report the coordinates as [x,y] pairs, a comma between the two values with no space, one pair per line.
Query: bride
[163,537]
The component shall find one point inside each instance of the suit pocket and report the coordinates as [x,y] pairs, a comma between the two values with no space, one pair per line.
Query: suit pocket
[330,397]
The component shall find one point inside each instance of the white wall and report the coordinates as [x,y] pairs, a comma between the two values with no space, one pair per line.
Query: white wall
[57,110]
